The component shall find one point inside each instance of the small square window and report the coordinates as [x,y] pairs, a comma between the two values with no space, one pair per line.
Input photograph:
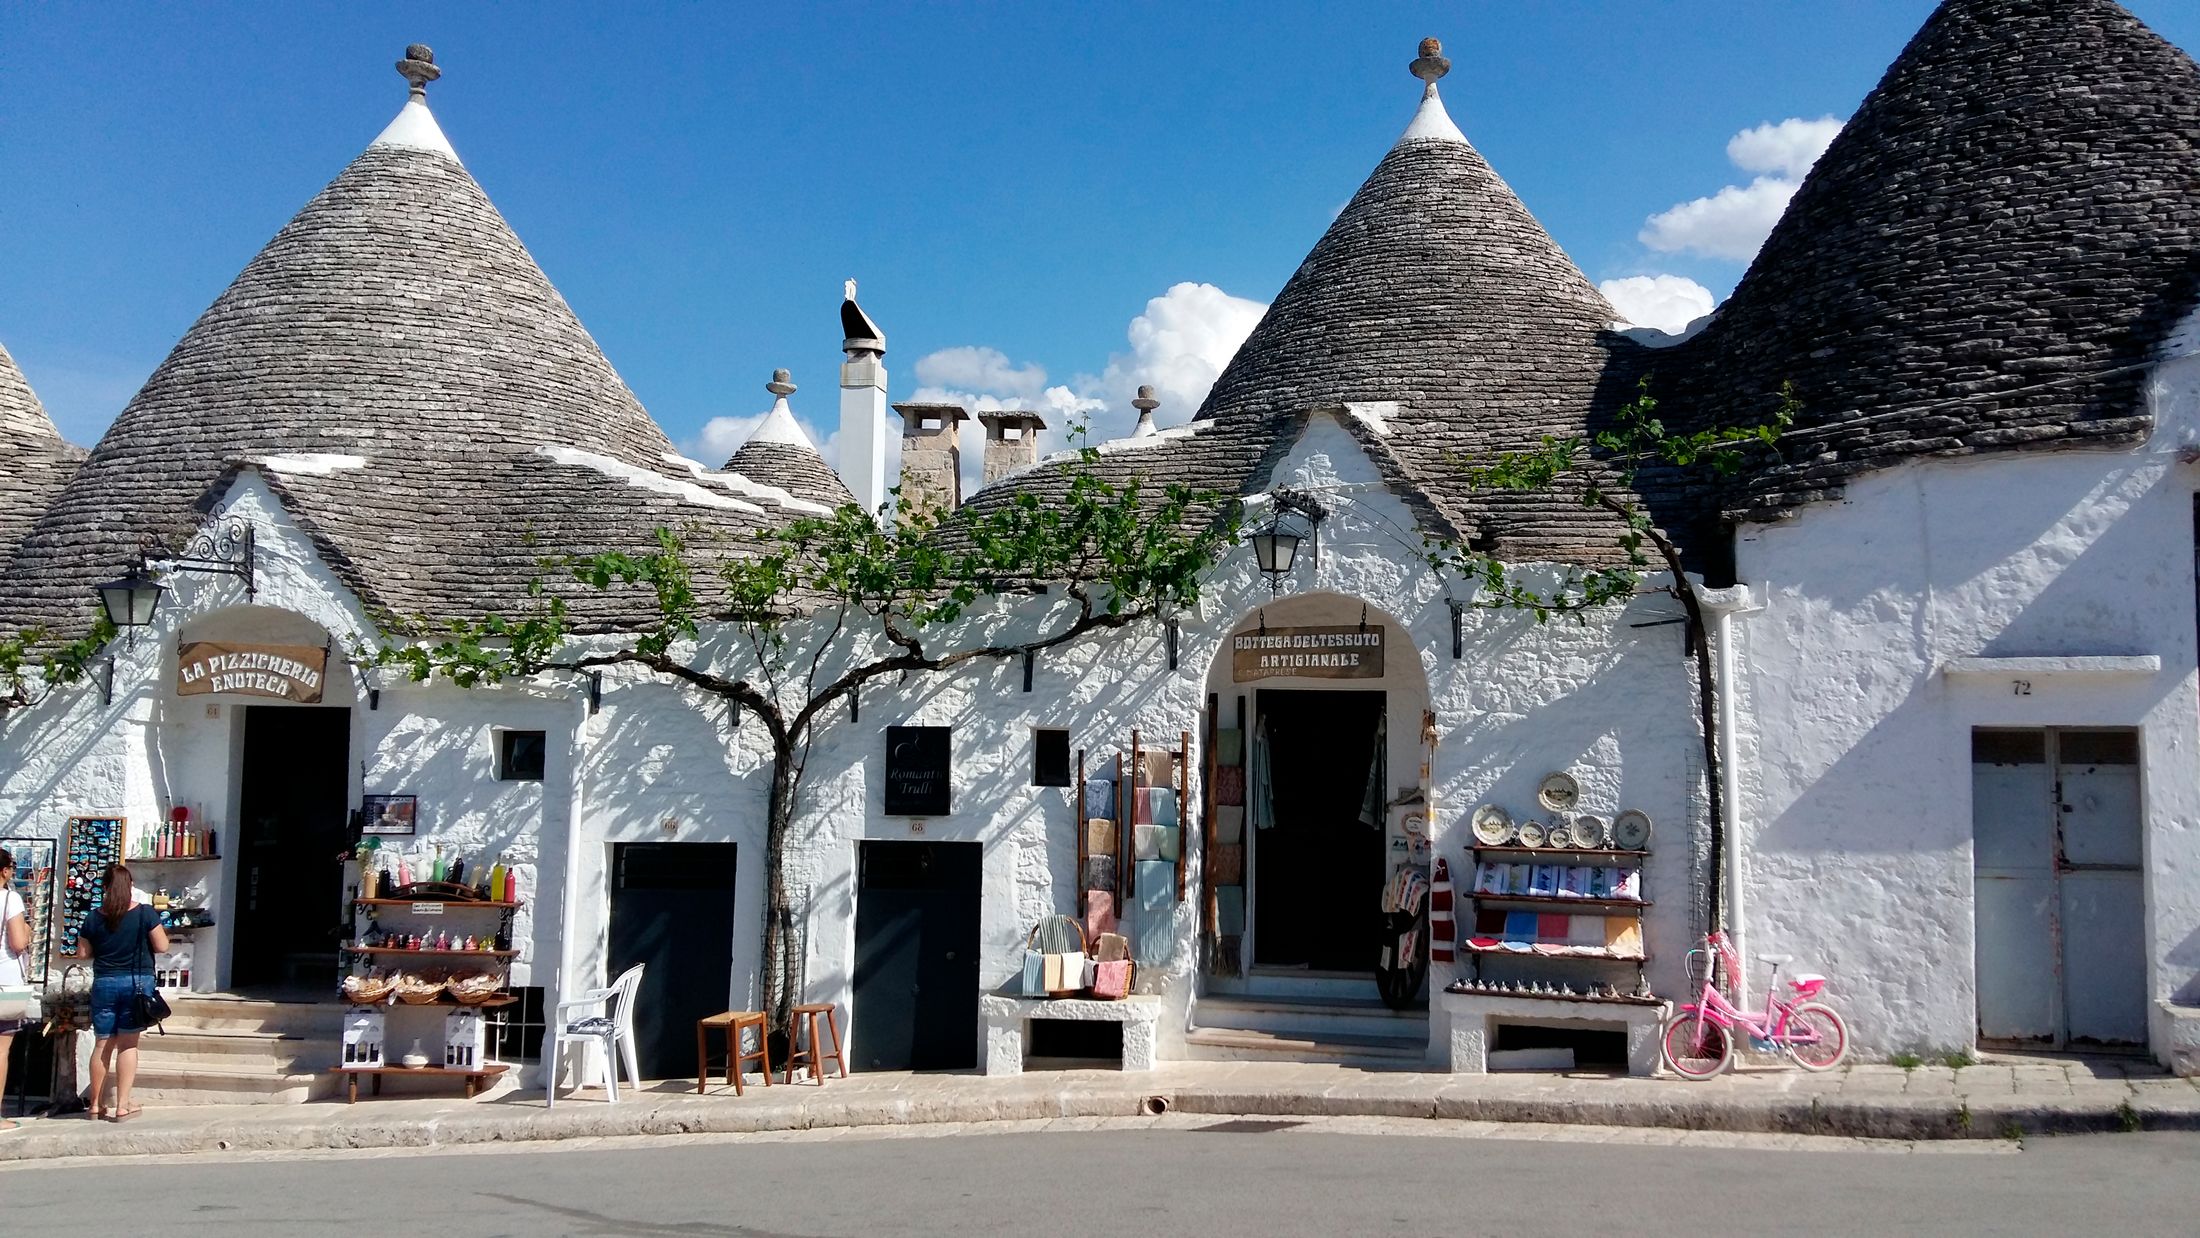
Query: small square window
[520,755]
[1050,757]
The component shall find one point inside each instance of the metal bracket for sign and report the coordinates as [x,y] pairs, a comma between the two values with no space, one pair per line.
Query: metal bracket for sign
[595,691]
[1173,631]
[107,682]
[1029,658]
[1458,629]
[230,548]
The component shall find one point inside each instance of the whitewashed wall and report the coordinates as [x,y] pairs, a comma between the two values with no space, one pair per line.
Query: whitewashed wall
[1856,767]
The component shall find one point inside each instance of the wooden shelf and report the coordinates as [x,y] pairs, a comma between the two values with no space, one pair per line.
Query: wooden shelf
[1560,900]
[1595,953]
[1550,851]
[475,1076]
[469,904]
[446,1001]
[174,859]
[494,954]
[1624,999]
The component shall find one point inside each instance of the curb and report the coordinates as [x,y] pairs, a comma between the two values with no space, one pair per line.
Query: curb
[1889,1118]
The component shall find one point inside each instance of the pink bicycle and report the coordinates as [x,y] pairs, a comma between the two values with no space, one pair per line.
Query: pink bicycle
[1699,1039]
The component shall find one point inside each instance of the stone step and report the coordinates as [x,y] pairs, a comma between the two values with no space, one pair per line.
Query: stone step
[220,1012]
[1374,1053]
[1310,1018]
[238,1046]
[1297,982]
[216,1080]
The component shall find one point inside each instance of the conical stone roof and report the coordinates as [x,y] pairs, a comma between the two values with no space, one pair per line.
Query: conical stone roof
[1436,290]
[779,453]
[2000,238]
[399,326]
[35,462]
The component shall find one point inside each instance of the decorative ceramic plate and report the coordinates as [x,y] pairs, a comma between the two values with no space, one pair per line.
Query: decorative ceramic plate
[1558,834]
[1631,830]
[1589,831]
[1531,834]
[1559,792]
[1493,826]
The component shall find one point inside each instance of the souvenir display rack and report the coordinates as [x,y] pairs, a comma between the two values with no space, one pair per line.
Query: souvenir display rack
[89,846]
[36,872]
[1607,907]
[1109,809]
[1223,854]
[465,1028]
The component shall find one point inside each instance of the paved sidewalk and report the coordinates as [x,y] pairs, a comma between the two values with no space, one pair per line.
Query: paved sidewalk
[2001,1100]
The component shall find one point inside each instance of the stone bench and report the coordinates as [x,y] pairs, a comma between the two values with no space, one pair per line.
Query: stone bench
[1475,1017]
[1008,1025]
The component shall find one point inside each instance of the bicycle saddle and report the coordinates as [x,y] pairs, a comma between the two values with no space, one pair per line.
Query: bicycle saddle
[1777,960]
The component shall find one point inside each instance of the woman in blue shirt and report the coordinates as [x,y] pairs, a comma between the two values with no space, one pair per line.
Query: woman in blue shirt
[120,938]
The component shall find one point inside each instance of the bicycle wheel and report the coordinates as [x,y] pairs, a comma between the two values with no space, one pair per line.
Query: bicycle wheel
[1692,1056]
[1817,1037]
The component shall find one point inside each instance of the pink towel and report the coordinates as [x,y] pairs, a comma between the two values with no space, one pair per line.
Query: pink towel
[1099,913]
[1112,979]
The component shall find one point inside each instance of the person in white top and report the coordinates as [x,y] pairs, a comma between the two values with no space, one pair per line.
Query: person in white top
[15,947]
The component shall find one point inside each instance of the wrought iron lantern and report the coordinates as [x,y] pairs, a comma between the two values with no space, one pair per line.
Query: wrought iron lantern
[1276,544]
[225,550]
[131,600]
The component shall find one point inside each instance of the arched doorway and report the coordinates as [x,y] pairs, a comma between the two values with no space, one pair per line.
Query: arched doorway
[1327,694]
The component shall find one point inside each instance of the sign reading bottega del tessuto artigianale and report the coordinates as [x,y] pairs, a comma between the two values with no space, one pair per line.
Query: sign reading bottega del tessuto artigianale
[285,672]
[1345,652]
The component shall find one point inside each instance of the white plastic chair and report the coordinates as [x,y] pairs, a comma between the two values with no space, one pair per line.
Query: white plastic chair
[612,1031]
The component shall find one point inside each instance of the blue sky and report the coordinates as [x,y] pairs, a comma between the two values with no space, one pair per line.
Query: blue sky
[1018,187]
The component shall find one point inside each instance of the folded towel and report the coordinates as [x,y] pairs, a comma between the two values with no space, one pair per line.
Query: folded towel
[1230,911]
[1226,864]
[1552,928]
[1230,823]
[1154,806]
[1099,836]
[1111,979]
[1230,747]
[1489,922]
[1100,798]
[1156,891]
[1543,881]
[1153,842]
[1099,872]
[1586,931]
[1623,935]
[1100,914]
[1157,768]
[1230,786]
[1519,926]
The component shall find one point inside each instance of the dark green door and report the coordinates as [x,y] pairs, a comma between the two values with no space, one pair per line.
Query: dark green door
[916,981]
[672,911]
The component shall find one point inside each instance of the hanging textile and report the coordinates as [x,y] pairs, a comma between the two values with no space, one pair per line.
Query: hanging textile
[1441,932]
[1259,790]
[1371,799]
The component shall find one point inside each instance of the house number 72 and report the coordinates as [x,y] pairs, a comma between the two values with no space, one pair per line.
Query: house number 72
[2020,687]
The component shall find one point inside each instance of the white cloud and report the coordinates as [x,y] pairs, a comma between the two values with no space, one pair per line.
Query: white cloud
[982,370]
[1667,302]
[1733,223]
[1179,345]
[1787,149]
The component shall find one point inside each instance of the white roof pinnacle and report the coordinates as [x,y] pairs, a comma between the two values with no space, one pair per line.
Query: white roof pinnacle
[415,129]
[779,425]
[1431,122]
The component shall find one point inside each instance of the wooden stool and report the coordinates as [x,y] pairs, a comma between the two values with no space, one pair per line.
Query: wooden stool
[734,1022]
[799,1051]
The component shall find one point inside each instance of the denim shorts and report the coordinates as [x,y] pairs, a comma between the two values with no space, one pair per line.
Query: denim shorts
[114,1003]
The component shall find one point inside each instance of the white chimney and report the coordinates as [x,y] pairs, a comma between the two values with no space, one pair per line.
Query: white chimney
[862,404]
[1145,404]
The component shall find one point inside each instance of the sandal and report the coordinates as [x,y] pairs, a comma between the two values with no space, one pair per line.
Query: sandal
[9,1124]
[124,1115]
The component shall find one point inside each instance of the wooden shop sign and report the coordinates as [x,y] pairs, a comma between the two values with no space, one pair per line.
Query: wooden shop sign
[285,672]
[1345,652]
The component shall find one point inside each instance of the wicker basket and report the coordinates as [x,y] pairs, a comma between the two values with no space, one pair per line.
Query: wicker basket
[476,989]
[1054,935]
[368,990]
[418,990]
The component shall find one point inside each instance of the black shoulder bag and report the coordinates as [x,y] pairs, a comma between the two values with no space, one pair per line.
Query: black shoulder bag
[152,1008]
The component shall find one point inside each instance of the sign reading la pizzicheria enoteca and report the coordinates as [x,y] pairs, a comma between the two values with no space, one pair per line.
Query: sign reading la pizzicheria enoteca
[285,672]
[917,771]
[1348,651]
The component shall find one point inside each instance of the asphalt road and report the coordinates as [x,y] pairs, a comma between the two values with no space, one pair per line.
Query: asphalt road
[1250,1179]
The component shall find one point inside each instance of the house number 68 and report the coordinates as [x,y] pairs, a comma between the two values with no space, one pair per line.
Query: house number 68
[2020,687]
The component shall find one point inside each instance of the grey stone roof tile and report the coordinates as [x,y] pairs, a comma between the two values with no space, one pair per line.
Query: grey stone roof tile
[35,462]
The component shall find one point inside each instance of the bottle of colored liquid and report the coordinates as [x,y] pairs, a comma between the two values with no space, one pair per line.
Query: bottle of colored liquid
[496,881]
[511,886]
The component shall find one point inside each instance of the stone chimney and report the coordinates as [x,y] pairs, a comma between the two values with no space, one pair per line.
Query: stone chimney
[862,404]
[1145,404]
[1011,442]
[931,457]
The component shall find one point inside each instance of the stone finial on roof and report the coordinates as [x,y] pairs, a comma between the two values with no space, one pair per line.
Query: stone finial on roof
[418,68]
[781,385]
[1145,404]
[1431,64]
